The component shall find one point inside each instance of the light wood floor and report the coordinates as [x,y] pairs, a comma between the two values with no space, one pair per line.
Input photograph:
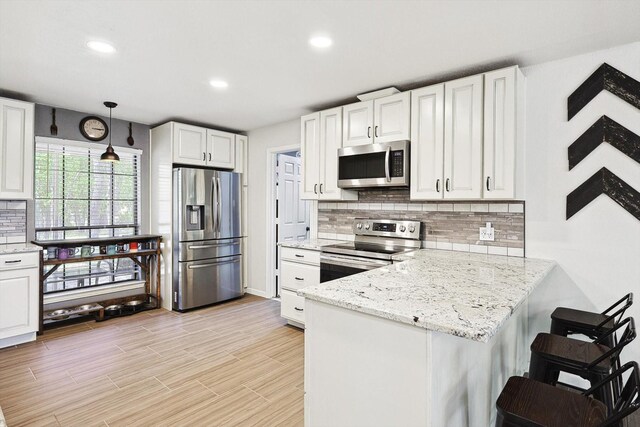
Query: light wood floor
[232,364]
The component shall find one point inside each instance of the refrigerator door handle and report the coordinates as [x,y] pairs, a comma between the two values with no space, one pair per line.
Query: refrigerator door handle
[214,198]
[213,264]
[219,203]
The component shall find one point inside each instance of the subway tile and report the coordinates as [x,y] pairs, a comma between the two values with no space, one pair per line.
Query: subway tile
[414,207]
[516,208]
[427,244]
[461,207]
[498,207]
[342,206]
[429,207]
[387,206]
[460,247]
[3,205]
[478,249]
[363,206]
[352,206]
[331,205]
[497,250]
[479,207]
[375,206]
[3,240]
[17,205]
[400,207]
[16,239]
[517,252]
[447,246]
[445,207]
[322,205]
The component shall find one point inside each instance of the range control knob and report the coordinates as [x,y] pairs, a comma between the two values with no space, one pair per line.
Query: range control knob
[367,226]
[402,228]
[412,229]
[359,226]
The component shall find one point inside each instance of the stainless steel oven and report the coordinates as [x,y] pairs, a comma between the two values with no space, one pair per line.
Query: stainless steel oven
[374,165]
[375,243]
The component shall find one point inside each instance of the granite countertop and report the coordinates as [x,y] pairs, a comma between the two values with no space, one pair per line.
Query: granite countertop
[13,248]
[311,244]
[462,294]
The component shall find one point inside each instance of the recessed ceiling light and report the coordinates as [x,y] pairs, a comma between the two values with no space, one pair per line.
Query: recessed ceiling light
[218,84]
[320,41]
[102,47]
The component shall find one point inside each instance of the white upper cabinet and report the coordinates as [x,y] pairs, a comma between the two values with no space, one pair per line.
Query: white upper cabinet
[16,149]
[358,124]
[501,139]
[330,143]
[391,117]
[242,158]
[427,143]
[463,138]
[221,149]
[321,137]
[310,152]
[189,144]
[379,120]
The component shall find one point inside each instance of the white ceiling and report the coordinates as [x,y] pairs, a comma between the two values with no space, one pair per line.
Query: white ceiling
[167,51]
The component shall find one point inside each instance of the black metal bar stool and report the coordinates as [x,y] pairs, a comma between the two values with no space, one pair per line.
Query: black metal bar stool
[593,361]
[526,402]
[568,321]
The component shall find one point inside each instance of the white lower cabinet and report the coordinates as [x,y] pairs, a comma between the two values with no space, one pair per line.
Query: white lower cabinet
[19,298]
[299,269]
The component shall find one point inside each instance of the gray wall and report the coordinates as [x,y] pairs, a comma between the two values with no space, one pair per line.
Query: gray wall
[68,123]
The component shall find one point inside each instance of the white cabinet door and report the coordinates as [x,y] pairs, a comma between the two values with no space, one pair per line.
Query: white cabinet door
[18,302]
[330,143]
[310,152]
[463,138]
[189,145]
[16,149]
[357,126]
[221,149]
[392,117]
[500,134]
[427,143]
[241,157]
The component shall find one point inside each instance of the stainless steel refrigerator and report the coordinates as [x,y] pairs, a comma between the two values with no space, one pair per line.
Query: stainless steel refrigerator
[207,236]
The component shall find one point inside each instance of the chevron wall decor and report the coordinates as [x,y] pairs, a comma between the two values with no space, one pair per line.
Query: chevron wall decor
[604,130]
[604,182]
[607,78]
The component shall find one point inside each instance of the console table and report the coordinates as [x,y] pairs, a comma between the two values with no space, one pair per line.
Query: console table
[144,258]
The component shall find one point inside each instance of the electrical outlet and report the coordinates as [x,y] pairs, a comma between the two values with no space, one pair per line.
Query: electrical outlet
[486,233]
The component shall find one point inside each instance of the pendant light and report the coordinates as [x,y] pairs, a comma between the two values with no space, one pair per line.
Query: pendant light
[110,155]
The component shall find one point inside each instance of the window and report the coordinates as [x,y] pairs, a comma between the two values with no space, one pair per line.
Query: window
[79,197]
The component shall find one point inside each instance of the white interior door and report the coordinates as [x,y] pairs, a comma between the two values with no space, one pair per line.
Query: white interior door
[293,213]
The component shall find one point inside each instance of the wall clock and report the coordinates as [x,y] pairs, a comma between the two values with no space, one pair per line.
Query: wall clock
[94,128]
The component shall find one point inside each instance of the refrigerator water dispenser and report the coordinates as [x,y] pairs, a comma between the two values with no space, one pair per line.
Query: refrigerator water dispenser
[195,217]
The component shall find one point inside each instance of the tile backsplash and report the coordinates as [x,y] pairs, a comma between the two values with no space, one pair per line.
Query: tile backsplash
[13,221]
[445,225]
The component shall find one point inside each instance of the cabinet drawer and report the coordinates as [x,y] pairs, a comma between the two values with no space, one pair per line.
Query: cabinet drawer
[292,306]
[300,255]
[296,276]
[19,260]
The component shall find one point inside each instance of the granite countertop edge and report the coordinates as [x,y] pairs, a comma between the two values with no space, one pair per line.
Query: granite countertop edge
[482,332]
[310,244]
[15,248]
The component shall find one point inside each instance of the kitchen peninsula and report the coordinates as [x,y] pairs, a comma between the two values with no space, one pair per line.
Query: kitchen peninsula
[426,341]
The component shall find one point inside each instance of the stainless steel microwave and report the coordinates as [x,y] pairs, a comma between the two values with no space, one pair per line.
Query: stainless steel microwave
[374,165]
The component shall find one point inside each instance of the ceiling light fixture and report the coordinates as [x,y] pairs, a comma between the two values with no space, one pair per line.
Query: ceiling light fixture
[110,155]
[102,47]
[219,84]
[320,41]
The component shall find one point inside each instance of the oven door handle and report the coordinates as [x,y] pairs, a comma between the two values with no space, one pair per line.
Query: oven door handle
[387,154]
[360,263]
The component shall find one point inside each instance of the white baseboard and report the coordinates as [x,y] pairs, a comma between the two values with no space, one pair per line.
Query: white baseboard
[257,292]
